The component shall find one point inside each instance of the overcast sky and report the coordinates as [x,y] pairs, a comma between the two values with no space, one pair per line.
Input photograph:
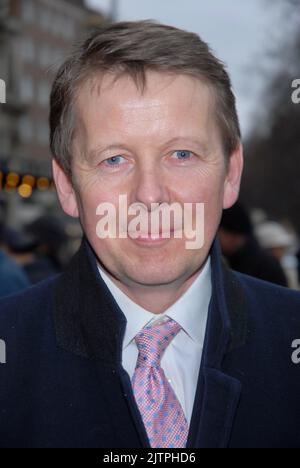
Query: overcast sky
[239,32]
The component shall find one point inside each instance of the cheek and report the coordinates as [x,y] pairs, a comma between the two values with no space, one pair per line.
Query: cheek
[88,201]
[208,189]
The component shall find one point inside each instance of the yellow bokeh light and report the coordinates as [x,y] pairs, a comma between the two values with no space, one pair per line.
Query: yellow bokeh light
[43,183]
[12,180]
[25,190]
[28,180]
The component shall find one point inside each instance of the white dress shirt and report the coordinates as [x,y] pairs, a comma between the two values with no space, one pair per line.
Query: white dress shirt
[182,358]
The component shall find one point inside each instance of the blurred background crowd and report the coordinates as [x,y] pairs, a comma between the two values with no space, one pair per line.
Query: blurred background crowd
[260,235]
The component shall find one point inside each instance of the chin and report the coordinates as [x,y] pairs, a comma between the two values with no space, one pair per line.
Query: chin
[153,280]
[154,274]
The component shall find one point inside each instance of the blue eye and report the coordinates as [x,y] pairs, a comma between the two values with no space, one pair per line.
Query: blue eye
[114,160]
[182,154]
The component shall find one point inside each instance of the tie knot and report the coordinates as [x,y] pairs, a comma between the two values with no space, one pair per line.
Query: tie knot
[153,340]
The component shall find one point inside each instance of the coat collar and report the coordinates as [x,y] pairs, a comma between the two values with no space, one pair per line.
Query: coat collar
[89,323]
[218,393]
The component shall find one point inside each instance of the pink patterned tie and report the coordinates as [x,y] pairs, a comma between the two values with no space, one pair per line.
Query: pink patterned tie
[162,413]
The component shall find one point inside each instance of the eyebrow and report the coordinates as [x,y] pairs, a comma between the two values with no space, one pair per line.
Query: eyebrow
[203,147]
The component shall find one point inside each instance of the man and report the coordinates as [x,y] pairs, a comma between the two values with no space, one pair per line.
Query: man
[242,250]
[144,342]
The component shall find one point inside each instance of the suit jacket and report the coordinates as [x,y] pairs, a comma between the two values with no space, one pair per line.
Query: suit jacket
[63,384]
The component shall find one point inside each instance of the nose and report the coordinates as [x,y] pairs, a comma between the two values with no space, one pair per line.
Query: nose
[150,186]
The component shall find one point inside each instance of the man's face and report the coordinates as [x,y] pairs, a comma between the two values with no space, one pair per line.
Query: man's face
[158,146]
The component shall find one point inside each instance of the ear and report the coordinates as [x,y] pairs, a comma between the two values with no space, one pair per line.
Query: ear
[65,190]
[233,177]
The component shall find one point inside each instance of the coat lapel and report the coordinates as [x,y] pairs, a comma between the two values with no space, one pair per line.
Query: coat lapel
[218,393]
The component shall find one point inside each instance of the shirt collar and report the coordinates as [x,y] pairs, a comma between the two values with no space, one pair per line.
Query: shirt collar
[189,311]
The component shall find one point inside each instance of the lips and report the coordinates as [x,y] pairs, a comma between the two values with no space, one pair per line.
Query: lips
[157,235]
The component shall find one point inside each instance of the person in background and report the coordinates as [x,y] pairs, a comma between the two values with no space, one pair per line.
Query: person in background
[278,242]
[12,277]
[38,248]
[51,240]
[242,250]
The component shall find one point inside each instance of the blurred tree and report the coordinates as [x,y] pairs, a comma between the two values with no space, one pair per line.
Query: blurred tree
[272,171]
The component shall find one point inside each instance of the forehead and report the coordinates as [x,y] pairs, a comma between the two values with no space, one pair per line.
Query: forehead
[169,103]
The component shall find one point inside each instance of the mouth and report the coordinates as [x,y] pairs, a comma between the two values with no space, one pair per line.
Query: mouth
[152,238]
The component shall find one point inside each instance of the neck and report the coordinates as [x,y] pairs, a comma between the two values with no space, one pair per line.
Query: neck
[158,298]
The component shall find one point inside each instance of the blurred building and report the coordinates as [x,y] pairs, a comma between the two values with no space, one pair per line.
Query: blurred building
[35,36]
